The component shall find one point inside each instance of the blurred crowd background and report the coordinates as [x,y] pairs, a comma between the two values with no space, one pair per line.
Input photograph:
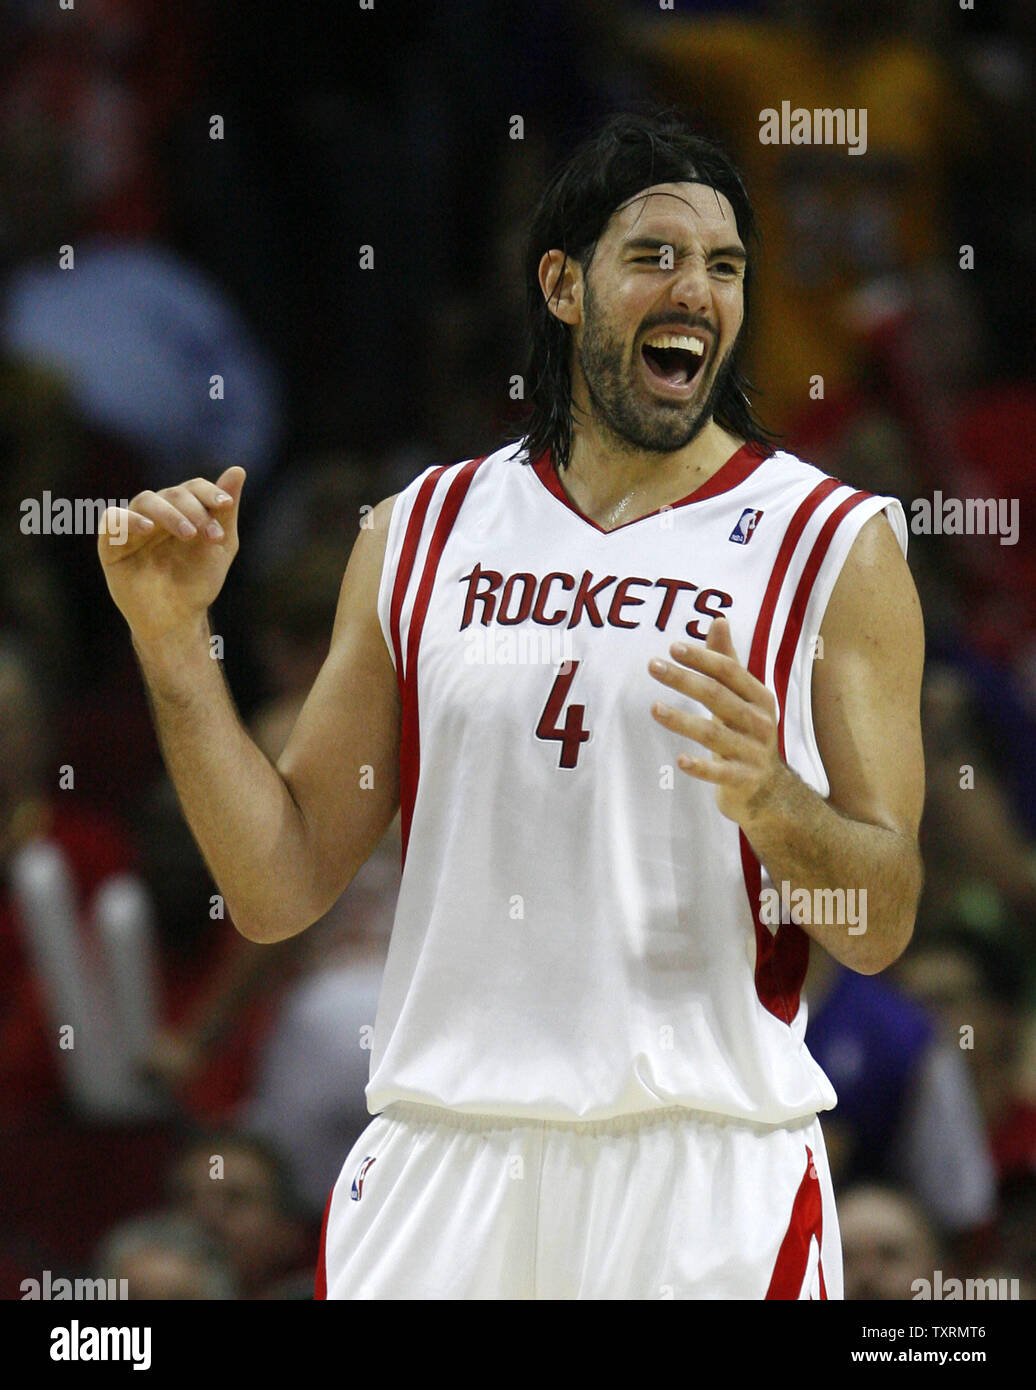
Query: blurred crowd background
[188,1138]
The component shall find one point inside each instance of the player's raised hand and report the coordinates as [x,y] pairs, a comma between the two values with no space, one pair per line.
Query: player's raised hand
[746,767]
[165,557]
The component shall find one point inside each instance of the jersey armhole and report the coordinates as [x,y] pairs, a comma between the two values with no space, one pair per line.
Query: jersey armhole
[810,650]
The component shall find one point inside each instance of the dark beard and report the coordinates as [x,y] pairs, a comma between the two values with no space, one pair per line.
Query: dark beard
[637,426]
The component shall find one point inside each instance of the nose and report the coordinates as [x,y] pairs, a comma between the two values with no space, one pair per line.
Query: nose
[690,287]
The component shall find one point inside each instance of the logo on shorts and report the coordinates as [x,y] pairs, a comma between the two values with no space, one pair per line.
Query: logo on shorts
[742,532]
[357,1191]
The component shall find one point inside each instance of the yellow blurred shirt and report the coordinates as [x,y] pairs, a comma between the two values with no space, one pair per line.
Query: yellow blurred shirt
[829,220]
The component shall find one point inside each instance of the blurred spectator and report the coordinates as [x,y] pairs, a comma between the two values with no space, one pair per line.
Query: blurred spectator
[239,1191]
[907,1111]
[981,862]
[975,987]
[163,1257]
[43,955]
[886,1243]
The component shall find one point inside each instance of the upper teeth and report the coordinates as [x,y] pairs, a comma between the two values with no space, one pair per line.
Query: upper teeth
[673,340]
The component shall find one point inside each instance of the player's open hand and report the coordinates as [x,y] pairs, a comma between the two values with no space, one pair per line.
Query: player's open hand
[746,767]
[165,557]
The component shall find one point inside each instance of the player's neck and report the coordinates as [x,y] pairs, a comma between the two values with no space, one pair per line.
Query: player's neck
[612,485]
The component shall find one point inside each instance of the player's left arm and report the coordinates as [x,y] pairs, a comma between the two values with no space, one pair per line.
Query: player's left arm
[866,715]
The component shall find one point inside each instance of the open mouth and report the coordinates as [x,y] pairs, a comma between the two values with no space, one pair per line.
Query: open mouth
[674,359]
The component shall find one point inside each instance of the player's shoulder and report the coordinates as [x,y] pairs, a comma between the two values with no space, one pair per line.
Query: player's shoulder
[810,498]
[381,514]
[796,478]
[782,468]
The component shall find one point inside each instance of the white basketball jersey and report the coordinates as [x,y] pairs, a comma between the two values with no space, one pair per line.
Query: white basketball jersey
[579,934]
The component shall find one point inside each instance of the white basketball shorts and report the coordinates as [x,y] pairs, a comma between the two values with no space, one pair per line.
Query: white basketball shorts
[435,1204]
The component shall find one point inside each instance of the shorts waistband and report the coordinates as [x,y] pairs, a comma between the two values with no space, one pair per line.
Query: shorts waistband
[414,1113]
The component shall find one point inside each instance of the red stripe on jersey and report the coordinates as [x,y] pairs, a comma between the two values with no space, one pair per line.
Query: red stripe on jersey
[761,636]
[407,556]
[797,612]
[738,467]
[410,734]
[807,1221]
[320,1284]
[781,958]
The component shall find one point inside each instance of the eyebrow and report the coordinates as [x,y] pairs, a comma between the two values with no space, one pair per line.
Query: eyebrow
[650,243]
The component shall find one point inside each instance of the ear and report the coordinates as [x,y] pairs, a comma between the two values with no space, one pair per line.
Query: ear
[561,280]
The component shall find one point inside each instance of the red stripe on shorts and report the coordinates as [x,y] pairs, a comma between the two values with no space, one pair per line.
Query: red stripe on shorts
[807,1221]
[320,1284]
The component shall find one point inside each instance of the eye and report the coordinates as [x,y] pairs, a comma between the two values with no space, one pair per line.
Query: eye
[726,268]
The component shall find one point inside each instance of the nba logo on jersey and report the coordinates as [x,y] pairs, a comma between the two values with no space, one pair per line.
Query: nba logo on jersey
[742,532]
[357,1191]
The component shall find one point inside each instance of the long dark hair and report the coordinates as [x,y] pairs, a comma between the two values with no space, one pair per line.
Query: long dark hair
[626,155]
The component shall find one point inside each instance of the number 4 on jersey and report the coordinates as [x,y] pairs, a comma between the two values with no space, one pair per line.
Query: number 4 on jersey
[573,733]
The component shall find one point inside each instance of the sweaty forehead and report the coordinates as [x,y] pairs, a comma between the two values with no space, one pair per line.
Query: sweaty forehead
[689,209]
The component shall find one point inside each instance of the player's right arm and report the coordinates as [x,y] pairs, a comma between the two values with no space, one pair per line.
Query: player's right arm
[282,842]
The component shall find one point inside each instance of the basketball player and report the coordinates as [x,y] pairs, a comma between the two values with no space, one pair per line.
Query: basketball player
[631,682]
